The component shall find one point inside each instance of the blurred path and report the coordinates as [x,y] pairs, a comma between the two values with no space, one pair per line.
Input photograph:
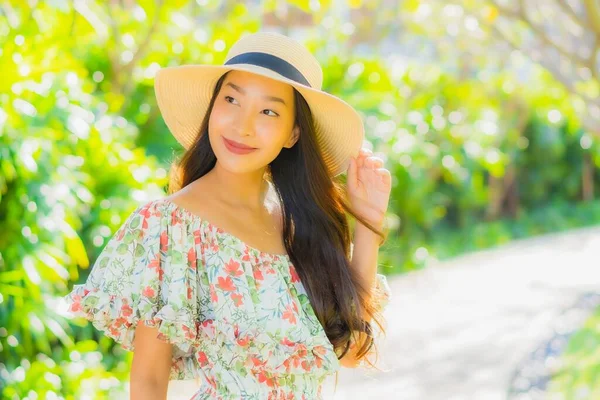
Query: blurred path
[457,330]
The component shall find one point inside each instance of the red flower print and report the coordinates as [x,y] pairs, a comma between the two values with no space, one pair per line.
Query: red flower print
[286,364]
[175,219]
[226,284]
[258,276]
[85,292]
[192,258]
[189,292]
[211,381]
[214,246]
[197,239]
[148,291]
[287,342]
[164,241]
[209,328]
[207,322]
[246,256]
[189,333]
[306,365]
[262,378]
[319,362]
[145,211]
[119,322]
[243,342]
[294,274]
[289,315]
[319,350]
[76,306]
[237,299]
[113,331]
[126,310]
[302,350]
[202,359]
[233,268]
[213,293]
[155,263]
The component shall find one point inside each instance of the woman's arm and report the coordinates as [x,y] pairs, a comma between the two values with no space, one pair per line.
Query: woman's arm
[365,253]
[364,261]
[149,377]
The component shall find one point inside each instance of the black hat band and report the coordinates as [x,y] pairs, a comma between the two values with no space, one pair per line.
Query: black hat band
[271,62]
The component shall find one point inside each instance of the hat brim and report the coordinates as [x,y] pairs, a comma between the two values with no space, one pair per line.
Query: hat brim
[183,94]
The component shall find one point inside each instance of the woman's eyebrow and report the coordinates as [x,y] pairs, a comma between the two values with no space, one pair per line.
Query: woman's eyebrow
[242,91]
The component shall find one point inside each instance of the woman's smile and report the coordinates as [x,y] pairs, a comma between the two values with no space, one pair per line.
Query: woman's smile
[237,148]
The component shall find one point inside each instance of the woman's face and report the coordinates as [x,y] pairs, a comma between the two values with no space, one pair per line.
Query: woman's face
[255,111]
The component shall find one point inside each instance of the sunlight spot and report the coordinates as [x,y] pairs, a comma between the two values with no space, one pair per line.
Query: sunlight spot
[554,116]
[219,45]
[98,76]
[128,40]
[139,14]
[585,141]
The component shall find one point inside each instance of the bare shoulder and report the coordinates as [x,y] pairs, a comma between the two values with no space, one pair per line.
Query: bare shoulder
[194,198]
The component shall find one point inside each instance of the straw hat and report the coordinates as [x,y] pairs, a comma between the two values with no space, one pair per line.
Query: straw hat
[183,93]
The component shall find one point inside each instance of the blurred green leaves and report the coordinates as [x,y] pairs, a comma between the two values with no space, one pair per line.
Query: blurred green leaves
[480,152]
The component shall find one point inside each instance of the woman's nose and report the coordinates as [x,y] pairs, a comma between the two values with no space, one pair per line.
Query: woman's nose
[246,122]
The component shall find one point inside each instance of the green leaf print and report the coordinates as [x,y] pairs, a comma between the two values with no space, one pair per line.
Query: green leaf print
[135,222]
[128,238]
[177,257]
[139,250]
[122,248]
[303,299]
[241,369]
[103,262]
[93,300]
[255,298]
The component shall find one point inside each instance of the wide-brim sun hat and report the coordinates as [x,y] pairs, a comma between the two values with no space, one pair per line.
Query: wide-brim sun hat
[183,93]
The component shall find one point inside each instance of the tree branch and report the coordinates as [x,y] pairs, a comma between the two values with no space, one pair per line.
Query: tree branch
[557,75]
[592,8]
[522,16]
[567,9]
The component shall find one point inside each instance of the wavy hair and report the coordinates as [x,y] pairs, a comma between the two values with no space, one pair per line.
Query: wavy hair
[316,229]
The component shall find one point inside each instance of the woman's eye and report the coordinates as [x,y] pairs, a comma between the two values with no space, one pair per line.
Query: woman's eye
[274,113]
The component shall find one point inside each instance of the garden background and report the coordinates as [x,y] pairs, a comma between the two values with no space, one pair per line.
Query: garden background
[486,112]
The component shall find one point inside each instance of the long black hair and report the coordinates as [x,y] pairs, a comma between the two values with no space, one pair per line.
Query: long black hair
[316,229]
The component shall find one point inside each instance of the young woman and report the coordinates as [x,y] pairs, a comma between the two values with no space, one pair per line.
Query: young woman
[245,276]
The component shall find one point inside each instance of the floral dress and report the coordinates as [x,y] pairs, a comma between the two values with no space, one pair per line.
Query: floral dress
[239,319]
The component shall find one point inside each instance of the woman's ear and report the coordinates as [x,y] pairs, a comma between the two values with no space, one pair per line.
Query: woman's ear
[293,137]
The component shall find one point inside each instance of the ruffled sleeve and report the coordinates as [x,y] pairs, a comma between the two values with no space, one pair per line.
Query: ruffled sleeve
[382,293]
[137,278]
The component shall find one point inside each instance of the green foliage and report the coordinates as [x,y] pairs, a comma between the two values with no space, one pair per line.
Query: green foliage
[476,159]
[578,374]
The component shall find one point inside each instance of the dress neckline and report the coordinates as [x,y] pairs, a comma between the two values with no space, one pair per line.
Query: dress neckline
[221,231]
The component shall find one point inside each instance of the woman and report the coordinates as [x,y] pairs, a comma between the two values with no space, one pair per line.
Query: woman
[245,276]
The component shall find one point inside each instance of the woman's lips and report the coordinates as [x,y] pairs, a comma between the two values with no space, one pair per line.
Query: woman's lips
[233,147]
